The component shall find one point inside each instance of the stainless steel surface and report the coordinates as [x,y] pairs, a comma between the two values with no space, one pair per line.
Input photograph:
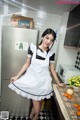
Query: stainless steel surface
[11,62]
[15,104]
[12,59]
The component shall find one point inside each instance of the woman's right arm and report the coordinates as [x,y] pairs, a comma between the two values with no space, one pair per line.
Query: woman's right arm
[24,68]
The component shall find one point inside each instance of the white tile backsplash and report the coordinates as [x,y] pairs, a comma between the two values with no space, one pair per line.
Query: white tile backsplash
[77,62]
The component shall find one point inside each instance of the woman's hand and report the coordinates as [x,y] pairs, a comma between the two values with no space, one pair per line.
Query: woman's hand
[13,79]
[61,85]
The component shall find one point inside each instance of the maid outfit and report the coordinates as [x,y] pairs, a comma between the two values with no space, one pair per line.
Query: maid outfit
[36,82]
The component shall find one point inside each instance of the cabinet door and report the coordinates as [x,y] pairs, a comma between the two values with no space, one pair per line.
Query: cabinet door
[72,37]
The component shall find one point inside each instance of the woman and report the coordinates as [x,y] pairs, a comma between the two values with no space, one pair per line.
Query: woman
[35,83]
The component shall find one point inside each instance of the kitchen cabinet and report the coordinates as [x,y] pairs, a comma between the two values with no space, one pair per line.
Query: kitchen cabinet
[55,109]
[72,37]
[65,107]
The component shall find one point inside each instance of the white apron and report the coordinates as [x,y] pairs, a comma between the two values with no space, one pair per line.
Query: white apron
[36,82]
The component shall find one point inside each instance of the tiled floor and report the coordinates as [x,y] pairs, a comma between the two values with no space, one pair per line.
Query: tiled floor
[18,105]
[44,115]
[48,113]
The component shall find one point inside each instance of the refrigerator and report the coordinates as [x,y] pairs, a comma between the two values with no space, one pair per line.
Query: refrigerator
[14,48]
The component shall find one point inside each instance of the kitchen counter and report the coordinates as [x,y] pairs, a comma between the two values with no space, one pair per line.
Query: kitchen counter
[65,105]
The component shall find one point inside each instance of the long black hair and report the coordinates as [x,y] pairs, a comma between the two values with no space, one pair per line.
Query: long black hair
[48,31]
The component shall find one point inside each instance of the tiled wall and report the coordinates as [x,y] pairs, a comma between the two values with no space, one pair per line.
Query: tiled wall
[77,64]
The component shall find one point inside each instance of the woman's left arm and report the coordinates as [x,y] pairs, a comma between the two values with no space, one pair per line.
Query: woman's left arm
[54,74]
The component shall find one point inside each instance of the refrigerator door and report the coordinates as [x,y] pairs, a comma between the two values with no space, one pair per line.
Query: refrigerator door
[15,104]
[15,42]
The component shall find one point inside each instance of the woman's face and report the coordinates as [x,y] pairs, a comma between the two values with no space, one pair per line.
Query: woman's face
[48,40]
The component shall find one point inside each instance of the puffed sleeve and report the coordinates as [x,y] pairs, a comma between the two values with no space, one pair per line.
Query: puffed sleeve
[31,50]
[30,53]
[52,58]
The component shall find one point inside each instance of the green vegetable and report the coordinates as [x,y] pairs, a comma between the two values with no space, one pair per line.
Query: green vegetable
[74,81]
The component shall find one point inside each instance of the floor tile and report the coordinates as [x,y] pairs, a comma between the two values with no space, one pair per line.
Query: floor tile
[43,115]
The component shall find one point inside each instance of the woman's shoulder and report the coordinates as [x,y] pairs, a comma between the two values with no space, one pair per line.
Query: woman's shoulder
[51,52]
[32,46]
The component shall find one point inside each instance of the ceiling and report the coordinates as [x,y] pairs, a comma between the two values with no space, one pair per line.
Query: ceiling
[46,6]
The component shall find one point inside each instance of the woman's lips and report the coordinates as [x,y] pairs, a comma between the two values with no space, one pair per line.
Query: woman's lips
[47,45]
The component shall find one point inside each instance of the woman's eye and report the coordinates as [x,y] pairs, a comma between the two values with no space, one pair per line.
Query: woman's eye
[47,37]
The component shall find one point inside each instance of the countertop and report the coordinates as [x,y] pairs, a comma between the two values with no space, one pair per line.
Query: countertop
[66,105]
